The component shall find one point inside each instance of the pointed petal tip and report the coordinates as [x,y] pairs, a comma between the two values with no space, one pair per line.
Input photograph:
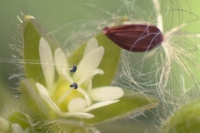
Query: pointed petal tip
[42,39]
[91,45]
[41,89]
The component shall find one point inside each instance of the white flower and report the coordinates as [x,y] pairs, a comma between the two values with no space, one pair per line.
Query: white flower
[86,69]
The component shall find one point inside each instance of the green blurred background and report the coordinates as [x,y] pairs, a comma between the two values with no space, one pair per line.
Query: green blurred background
[55,14]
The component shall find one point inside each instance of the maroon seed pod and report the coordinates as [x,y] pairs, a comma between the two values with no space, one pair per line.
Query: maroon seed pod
[135,37]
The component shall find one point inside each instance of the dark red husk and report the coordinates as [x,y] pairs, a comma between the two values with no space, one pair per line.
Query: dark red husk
[135,37]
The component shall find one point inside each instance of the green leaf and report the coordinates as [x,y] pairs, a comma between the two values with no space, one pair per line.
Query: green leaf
[32,98]
[184,120]
[20,118]
[32,32]
[130,103]
[109,63]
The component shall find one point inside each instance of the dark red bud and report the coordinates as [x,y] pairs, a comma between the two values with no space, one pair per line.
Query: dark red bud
[135,37]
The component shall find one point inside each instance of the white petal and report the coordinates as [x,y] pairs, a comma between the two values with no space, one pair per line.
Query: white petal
[91,45]
[106,93]
[17,128]
[45,96]
[99,104]
[60,60]
[77,105]
[78,114]
[42,90]
[46,59]
[89,62]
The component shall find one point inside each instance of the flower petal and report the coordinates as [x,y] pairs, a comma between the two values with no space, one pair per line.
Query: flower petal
[16,128]
[46,59]
[45,96]
[60,60]
[78,114]
[77,105]
[91,45]
[106,93]
[42,90]
[99,104]
[89,62]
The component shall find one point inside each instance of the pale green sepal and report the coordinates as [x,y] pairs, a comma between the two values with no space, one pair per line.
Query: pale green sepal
[130,103]
[32,32]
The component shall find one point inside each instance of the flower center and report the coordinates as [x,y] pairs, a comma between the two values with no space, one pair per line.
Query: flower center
[77,85]
[67,93]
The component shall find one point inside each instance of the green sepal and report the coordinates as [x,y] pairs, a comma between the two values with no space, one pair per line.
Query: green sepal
[32,32]
[21,119]
[32,98]
[109,62]
[184,120]
[130,103]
